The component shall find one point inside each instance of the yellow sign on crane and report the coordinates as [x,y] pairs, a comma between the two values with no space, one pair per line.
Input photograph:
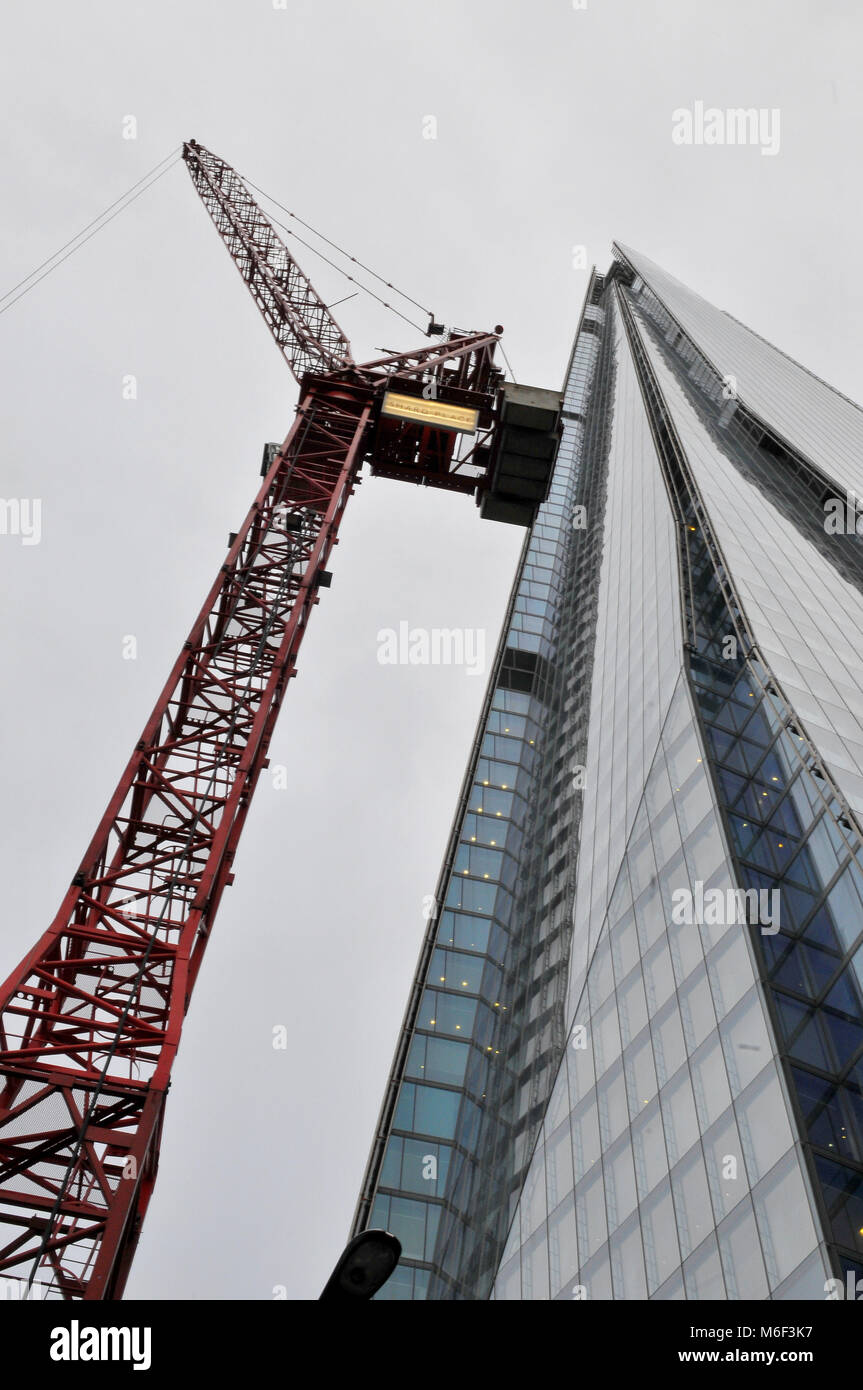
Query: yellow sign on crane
[430,412]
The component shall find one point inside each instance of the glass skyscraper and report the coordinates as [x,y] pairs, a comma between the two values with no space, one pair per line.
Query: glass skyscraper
[632,1057]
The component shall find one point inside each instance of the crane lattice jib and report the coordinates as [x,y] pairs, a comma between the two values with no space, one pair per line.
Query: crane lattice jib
[298,318]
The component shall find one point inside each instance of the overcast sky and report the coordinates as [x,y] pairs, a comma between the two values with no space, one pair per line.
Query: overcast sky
[553,132]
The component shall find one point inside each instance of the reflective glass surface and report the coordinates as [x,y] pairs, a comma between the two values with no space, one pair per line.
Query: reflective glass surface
[635,1043]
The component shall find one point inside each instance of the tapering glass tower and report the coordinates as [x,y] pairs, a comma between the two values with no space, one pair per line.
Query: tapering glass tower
[632,1058]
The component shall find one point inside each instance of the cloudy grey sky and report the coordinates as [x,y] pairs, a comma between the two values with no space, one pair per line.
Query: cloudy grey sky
[553,132]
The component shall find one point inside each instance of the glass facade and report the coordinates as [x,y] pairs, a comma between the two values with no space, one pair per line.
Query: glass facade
[632,1059]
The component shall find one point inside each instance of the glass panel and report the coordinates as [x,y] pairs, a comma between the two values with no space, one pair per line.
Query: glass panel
[765,1131]
[585,1136]
[534,1267]
[679,1116]
[627,1262]
[562,1245]
[558,1161]
[691,1202]
[659,1230]
[740,1249]
[745,1041]
[710,1081]
[702,1273]
[620,1196]
[590,1214]
[726,1170]
[785,1242]
[669,1048]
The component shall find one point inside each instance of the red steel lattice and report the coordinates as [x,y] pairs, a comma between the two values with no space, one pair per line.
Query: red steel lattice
[297,317]
[91,1019]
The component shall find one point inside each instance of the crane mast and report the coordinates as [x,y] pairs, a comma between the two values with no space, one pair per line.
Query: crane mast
[91,1019]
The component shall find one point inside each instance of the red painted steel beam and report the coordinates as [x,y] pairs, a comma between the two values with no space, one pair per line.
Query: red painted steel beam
[299,320]
[91,1019]
[464,361]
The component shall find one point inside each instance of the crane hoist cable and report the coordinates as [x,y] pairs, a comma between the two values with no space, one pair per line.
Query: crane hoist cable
[151,177]
[290,232]
[341,250]
[103,219]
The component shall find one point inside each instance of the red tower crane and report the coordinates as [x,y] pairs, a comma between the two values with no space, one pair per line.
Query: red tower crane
[90,1020]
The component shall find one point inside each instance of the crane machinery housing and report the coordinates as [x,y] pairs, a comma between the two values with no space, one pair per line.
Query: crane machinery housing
[90,1020]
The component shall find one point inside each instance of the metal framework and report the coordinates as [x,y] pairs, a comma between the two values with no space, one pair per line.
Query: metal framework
[297,317]
[90,1021]
[460,370]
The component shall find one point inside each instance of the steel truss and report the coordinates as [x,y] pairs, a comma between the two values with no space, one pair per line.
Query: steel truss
[91,1019]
